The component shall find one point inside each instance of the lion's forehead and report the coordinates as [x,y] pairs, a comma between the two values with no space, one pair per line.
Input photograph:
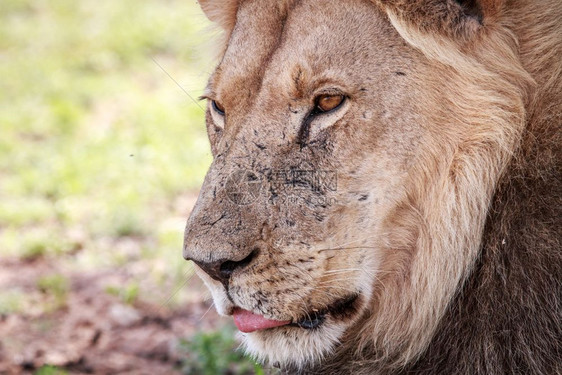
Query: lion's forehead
[286,49]
[255,37]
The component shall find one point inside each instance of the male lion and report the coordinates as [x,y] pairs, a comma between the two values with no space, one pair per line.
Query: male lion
[385,195]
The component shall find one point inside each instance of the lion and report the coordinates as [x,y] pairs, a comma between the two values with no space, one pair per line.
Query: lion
[385,191]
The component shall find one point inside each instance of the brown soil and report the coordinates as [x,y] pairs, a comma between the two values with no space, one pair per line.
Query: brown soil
[94,332]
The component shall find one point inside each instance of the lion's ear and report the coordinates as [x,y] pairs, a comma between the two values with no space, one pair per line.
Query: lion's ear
[222,12]
[454,18]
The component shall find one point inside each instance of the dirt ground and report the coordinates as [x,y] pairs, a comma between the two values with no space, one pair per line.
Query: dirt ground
[95,332]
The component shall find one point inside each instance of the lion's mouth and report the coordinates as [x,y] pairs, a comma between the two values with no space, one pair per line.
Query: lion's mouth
[247,321]
[339,310]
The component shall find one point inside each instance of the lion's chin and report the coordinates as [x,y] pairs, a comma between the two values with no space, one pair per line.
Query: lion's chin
[293,346]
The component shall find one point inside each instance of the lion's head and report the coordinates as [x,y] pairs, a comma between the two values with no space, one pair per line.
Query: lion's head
[357,145]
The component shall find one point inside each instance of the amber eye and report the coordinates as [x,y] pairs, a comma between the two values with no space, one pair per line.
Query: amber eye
[218,107]
[325,103]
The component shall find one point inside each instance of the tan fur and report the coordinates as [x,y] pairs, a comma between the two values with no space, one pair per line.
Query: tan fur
[442,97]
[222,12]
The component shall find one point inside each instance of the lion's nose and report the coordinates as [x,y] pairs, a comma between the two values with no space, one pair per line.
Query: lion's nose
[221,270]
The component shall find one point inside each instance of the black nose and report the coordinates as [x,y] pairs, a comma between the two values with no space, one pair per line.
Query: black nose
[221,270]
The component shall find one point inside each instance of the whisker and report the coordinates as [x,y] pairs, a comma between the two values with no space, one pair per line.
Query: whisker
[345,245]
[175,292]
[347,248]
[327,282]
[176,82]
[343,270]
[209,309]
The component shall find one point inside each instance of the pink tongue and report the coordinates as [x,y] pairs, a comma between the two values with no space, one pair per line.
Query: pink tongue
[247,321]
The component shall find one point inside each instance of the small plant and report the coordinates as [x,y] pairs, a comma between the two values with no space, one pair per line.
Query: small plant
[127,294]
[11,301]
[38,243]
[216,353]
[49,370]
[55,286]
[34,249]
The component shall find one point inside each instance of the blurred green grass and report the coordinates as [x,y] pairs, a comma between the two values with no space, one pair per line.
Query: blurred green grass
[96,141]
[216,353]
[99,149]
[101,153]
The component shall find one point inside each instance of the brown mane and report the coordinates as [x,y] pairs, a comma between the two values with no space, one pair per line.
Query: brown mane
[506,318]
[472,251]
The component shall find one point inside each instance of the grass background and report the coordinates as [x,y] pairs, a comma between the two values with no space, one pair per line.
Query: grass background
[95,137]
[101,153]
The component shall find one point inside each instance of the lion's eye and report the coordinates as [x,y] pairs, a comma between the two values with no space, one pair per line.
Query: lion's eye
[326,103]
[218,107]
